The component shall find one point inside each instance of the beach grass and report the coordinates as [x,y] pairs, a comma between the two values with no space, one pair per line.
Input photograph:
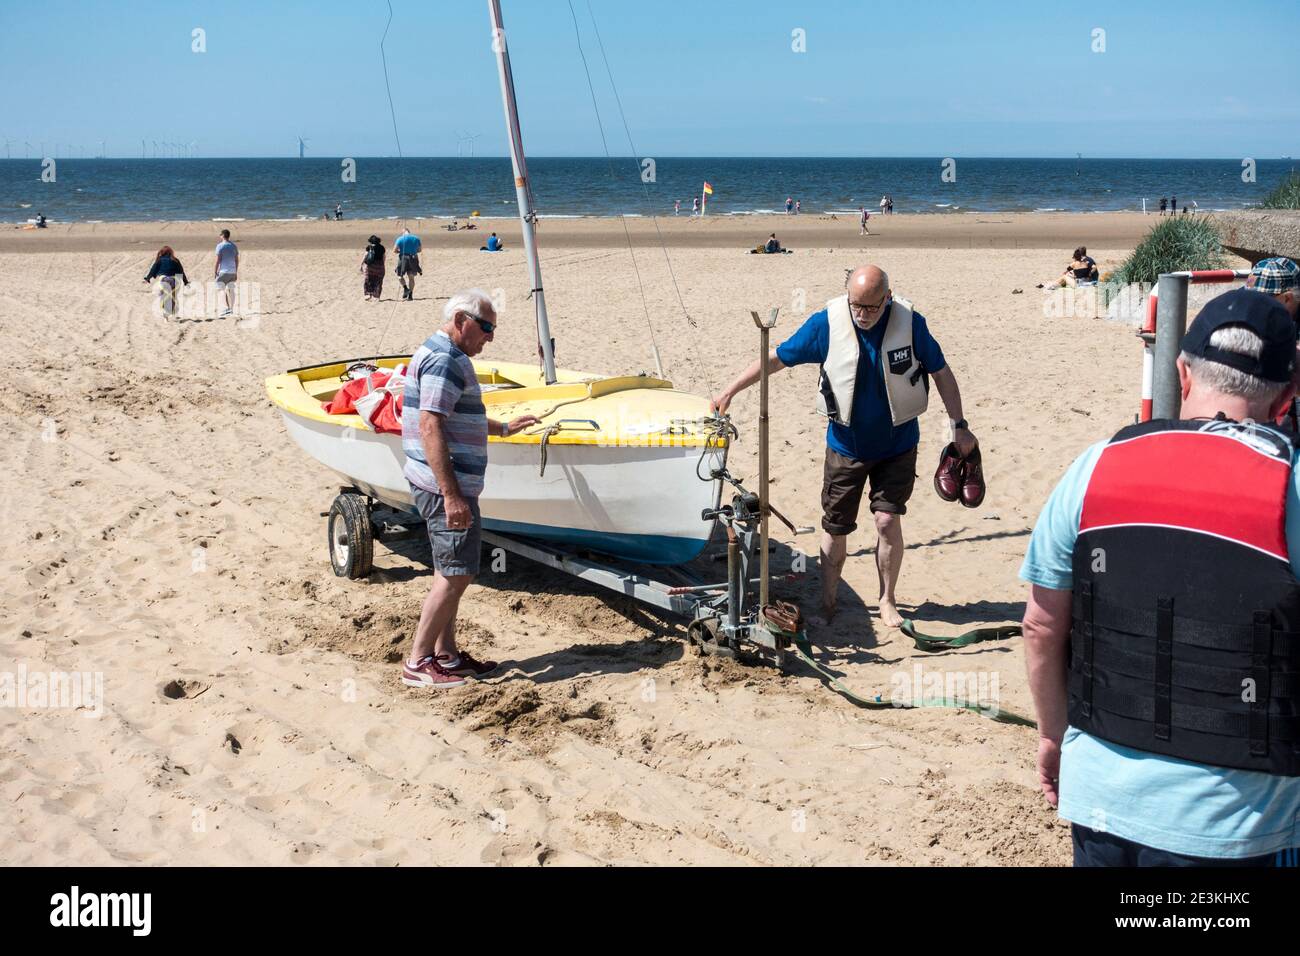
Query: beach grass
[1285,196]
[1173,245]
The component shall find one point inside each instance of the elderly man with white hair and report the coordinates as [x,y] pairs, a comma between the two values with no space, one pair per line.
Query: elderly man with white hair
[876,355]
[445,432]
[1162,630]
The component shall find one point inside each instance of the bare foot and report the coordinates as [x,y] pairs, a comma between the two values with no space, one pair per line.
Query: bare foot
[822,618]
[889,615]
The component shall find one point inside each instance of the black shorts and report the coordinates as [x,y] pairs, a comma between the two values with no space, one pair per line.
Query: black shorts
[844,479]
[1096,848]
[409,266]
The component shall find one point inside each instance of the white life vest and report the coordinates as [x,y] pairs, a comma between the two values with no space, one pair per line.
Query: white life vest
[906,383]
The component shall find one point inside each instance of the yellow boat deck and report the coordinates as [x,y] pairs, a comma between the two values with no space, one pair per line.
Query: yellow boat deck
[578,409]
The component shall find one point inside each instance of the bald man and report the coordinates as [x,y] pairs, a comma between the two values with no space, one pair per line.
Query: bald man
[872,389]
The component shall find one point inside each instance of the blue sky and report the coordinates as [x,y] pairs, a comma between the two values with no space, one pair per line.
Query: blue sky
[697,77]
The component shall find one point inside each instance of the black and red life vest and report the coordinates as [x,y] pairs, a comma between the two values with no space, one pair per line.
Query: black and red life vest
[1186,617]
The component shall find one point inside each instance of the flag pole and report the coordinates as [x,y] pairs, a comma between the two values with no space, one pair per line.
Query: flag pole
[704,201]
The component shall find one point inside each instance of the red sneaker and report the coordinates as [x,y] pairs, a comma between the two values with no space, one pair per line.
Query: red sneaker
[468,666]
[429,673]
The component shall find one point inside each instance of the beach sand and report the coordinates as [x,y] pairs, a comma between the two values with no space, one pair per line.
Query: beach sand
[165,532]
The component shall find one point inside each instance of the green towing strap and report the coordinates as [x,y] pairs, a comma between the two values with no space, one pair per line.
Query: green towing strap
[931,644]
[804,650]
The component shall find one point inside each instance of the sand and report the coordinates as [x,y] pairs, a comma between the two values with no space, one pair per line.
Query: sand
[165,533]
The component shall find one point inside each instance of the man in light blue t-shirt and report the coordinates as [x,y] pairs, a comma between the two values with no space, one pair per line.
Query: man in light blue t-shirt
[408,248]
[1146,668]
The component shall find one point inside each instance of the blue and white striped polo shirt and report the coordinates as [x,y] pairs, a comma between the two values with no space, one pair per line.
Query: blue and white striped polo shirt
[441,379]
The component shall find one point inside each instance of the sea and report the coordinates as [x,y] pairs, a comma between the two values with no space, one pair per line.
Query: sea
[121,190]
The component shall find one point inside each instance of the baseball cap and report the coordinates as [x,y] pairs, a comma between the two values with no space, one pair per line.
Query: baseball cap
[1266,317]
[1274,276]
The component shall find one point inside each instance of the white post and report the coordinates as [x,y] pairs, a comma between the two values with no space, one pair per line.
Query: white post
[523,193]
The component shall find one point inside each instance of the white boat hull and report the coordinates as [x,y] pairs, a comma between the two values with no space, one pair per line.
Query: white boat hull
[638,502]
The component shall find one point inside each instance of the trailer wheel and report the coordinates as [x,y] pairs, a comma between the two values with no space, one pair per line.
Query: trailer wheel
[351,536]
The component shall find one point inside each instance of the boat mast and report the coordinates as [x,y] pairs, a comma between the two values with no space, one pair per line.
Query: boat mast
[523,192]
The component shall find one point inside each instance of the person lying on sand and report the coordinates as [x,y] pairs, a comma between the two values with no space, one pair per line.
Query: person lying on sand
[865,446]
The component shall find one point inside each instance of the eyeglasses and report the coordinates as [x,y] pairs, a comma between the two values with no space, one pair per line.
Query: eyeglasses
[862,311]
[487,327]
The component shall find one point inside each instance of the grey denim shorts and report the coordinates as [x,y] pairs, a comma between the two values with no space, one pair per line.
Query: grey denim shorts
[455,551]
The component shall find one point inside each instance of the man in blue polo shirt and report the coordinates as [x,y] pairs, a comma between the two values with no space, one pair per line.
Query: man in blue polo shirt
[1160,626]
[871,449]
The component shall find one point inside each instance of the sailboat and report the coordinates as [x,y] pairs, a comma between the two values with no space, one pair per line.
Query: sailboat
[621,465]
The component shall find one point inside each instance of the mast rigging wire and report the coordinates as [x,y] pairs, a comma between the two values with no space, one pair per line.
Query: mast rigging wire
[659,365]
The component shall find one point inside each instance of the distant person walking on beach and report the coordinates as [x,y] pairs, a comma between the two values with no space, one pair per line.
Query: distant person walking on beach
[1159,599]
[445,432]
[166,267]
[677,206]
[408,248]
[1173,205]
[695,206]
[797,206]
[873,402]
[338,211]
[863,218]
[226,270]
[1164,204]
[372,264]
[884,204]
[789,205]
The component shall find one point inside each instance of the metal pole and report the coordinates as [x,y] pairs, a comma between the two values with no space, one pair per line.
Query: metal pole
[1171,323]
[523,193]
[764,331]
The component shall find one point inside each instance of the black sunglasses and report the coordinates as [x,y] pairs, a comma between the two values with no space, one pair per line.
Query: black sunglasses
[487,327]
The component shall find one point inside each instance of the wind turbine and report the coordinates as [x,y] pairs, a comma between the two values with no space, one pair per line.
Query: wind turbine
[302,147]
[27,154]
[7,144]
[466,137]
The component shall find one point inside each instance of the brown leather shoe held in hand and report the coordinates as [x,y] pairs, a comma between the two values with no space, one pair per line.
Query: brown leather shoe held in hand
[972,484]
[948,476]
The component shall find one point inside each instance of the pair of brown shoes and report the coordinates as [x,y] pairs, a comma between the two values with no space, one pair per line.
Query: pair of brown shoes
[960,479]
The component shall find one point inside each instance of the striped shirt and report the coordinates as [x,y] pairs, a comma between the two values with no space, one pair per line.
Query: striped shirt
[441,379]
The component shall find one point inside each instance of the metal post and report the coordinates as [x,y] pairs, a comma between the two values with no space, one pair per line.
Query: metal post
[764,332]
[1171,323]
[523,191]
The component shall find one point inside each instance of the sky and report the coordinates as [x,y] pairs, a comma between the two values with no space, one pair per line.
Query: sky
[695,77]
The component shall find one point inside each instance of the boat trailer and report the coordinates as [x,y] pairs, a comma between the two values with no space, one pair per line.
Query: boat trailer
[730,618]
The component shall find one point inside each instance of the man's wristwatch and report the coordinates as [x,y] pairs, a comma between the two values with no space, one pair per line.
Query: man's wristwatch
[959,425]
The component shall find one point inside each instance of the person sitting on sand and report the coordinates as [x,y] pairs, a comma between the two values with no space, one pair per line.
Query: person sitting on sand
[1081,270]
[166,267]
[40,221]
[772,245]
[1148,560]
[493,244]
[864,447]
[372,264]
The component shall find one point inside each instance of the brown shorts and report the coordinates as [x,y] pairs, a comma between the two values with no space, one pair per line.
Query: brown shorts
[844,480]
